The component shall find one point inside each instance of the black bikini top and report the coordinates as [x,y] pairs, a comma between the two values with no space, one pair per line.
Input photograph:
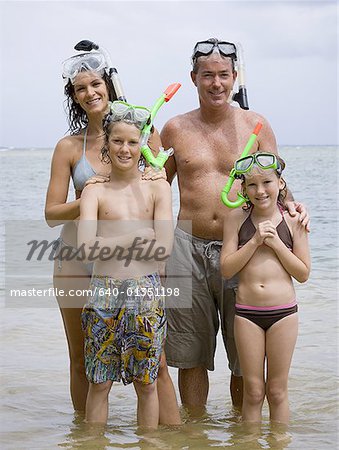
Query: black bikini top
[247,231]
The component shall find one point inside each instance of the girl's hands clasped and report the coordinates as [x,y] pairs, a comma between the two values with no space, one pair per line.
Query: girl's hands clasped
[266,234]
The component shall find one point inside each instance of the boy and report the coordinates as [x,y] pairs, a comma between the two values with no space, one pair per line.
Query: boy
[126,227]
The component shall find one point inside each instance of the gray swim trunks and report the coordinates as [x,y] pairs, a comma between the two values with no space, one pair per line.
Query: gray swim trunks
[205,301]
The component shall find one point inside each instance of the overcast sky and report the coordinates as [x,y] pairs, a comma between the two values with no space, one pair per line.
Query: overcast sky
[290,55]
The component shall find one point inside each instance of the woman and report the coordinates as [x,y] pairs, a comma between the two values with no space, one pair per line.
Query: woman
[88,89]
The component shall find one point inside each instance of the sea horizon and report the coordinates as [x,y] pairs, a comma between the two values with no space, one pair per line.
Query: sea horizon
[4,148]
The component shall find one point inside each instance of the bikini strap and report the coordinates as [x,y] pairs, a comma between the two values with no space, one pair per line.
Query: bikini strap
[84,144]
[281,209]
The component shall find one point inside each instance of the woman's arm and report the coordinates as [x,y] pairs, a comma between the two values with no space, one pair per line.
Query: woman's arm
[57,211]
[88,223]
[232,259]
[298,262]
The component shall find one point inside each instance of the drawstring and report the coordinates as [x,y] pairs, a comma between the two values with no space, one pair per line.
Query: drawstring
[208,248]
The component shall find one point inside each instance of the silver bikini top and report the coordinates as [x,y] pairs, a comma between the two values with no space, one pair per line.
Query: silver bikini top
[82,170]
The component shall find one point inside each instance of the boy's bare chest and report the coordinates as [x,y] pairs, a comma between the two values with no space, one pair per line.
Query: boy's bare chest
[126,205]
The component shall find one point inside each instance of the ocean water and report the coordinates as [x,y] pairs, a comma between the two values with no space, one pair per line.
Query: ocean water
[36,411]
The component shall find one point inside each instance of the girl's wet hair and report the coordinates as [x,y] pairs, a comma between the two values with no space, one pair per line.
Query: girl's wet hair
[77,117]
[282,192]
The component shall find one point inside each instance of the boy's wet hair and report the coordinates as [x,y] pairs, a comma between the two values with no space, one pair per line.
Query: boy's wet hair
[107,125]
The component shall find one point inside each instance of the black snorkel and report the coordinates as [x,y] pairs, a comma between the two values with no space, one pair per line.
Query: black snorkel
[241,96]
[87,46]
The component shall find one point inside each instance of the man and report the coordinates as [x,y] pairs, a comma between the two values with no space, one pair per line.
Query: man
[207,141]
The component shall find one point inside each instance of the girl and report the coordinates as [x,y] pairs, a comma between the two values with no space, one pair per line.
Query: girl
[124,319]
[88,89]
[266,247]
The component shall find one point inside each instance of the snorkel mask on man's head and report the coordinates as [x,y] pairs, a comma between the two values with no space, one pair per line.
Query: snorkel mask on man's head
[93,59]
[205,48]
[227,50]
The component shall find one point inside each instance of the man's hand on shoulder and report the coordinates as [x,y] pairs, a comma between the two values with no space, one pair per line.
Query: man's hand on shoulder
[294,208]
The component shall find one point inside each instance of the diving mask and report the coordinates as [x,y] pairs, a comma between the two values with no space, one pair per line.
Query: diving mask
[138,115]
[89,61]
[205,48]
[263,160]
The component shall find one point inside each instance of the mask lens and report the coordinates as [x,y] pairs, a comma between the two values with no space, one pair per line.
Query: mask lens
[136,114]
[93,63]
[120,109]
[141,114]
[265,160]
[204,47]
[226,48]
[242,165]
[85,61]
[70,66]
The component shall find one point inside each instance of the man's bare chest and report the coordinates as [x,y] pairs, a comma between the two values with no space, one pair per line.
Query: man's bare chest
[206,152]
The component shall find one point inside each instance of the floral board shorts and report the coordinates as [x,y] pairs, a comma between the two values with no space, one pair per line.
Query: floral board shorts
[125,325]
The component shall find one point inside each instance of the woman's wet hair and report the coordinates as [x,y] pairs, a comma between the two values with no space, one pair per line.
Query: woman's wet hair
[282,192]
[77,117]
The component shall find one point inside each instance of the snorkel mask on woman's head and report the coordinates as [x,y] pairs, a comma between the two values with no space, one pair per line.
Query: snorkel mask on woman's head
[125,112]
[94,61]
[89,61]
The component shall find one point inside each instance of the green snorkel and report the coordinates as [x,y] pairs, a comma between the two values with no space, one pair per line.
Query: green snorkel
[157,162]
[224,193]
